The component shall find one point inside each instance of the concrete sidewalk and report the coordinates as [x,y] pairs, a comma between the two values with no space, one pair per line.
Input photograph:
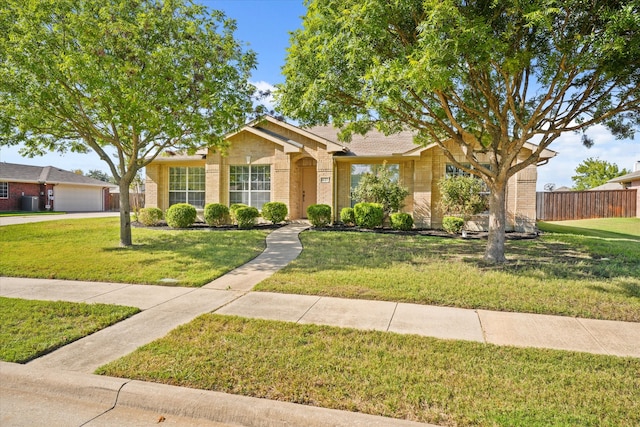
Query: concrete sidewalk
[64,378]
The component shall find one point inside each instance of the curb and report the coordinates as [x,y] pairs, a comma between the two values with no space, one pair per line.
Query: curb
[108,394]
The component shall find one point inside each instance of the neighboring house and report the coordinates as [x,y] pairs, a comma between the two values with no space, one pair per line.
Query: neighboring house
[631,180]
[271,160]
[50,188]
[607,186]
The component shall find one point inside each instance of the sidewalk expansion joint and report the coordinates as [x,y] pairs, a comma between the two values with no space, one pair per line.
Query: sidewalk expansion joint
[484,333]
[115,403]
[308,309]
[593,336]
[392,316]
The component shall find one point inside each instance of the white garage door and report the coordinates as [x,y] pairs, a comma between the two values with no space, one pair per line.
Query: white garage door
[71,198]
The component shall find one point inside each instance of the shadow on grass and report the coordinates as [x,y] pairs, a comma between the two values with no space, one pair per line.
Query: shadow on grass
[576,257]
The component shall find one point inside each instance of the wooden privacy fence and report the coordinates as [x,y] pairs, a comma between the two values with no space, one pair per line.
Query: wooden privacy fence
[114,201]
[567,205]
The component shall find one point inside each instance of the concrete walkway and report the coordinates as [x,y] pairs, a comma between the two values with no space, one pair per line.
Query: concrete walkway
[164,308]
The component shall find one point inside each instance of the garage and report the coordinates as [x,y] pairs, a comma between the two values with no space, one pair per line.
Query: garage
[72,198]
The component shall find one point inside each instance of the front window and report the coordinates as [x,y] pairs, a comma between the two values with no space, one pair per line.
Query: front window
[359,170]
[4,190]
[186,185]
[250,184]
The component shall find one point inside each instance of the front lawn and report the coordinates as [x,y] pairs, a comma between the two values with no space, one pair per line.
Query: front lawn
[88,249]
[563,274]
[29,329]
[401,376]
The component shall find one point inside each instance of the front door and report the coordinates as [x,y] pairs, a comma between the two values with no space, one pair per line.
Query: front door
[309,188]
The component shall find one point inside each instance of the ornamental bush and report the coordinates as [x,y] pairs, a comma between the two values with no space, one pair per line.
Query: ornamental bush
[347,216]
[232,211]
[274,211]
[381,187]
[452,224]
[401,221]
[319,215]
[216,214]
[181,215]
[149,216]
[247,216]
[462,195]
[368,215]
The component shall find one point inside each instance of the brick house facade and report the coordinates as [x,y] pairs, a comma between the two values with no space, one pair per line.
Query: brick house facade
[308,166]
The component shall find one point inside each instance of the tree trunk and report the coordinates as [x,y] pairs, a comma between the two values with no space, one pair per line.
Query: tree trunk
[125,214]
[494,252]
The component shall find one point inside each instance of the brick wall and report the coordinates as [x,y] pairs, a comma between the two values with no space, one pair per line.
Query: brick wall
[19,189]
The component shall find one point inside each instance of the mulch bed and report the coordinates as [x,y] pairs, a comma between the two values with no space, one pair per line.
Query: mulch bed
[471,235]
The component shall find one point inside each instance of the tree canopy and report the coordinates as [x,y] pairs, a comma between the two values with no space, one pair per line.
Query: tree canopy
[117,76]
[487,76]
[594,172]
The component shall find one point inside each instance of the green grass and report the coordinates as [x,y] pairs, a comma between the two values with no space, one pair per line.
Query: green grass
[27,213]
[29,329]
[561,274]
[400,376]
[608,228]
[88,249]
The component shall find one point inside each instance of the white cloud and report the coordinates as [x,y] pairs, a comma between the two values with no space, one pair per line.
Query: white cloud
[571,152]
[268,101]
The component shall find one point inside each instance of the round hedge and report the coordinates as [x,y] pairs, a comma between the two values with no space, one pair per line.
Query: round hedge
[246,217]
[181,215]
[401,221]
[149,216]
[368,215]
[216,214]
[347,216]
[274,211]
[319,215]
[452,224]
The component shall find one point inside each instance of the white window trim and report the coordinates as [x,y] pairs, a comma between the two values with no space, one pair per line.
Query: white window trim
[186,190]
[249,191]
[6,190]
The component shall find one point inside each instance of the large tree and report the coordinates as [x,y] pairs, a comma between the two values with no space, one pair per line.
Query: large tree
[488,76]
[594,172]
[125,79]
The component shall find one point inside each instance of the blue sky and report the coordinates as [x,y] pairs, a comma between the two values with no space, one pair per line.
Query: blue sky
[265,26]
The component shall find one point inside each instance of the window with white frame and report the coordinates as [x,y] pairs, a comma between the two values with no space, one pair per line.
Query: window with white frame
[4,190]
[250,184]
[186,185]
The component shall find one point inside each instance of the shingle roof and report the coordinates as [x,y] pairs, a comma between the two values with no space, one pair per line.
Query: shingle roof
[373,144]
[633,176]
[12,172]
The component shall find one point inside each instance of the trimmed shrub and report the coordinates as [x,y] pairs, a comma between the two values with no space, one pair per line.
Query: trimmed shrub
[149,216]
[368,215]
[181,215]
[274,211]
[347,216]
[452,224]
[247,216]
[401,221]
[319,215]
[216,214]
[232,211]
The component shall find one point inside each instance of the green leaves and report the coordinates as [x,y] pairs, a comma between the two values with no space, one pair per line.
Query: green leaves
[130,77]
[594,172]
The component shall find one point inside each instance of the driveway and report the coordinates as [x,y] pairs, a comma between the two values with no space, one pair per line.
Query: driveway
[24,219]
